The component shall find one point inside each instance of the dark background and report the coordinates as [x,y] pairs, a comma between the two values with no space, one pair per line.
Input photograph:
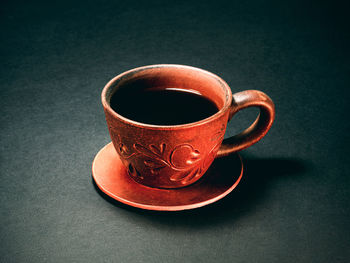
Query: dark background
[293,202]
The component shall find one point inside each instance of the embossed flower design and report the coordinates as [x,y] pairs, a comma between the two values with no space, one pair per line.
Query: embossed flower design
[182,159]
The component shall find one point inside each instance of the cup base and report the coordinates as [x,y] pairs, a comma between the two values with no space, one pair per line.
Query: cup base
[111,177]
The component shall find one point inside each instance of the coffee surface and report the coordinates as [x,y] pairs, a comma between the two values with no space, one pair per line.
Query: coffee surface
[162,107]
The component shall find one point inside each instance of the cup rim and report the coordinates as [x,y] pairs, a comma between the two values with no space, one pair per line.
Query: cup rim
[106,105]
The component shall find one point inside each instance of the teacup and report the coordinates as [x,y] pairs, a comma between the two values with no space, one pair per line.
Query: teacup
[177,155]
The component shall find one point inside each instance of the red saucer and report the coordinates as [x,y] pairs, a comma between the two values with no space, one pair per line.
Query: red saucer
[112,178]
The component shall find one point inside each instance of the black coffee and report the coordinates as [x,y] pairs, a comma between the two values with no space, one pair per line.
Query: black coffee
[161,107]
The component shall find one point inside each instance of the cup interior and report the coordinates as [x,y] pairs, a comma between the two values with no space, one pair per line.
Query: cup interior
[176,77]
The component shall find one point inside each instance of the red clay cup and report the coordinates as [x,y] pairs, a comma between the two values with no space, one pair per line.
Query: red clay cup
[173,156]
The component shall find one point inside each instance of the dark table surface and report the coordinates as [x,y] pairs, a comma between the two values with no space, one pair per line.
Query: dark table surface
[293,204]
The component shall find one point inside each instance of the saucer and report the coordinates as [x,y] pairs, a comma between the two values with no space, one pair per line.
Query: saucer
[112,178]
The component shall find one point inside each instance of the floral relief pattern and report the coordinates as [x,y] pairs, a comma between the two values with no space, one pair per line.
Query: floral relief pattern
[217,138]
[183,158]
[121,148]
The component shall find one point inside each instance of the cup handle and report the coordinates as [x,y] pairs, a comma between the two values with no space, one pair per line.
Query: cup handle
[242,100]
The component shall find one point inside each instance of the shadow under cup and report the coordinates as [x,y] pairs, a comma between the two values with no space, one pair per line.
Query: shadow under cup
[162,155]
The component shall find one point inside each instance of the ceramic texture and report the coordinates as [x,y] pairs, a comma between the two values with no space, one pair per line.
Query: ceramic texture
[179,155]
[112,178]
